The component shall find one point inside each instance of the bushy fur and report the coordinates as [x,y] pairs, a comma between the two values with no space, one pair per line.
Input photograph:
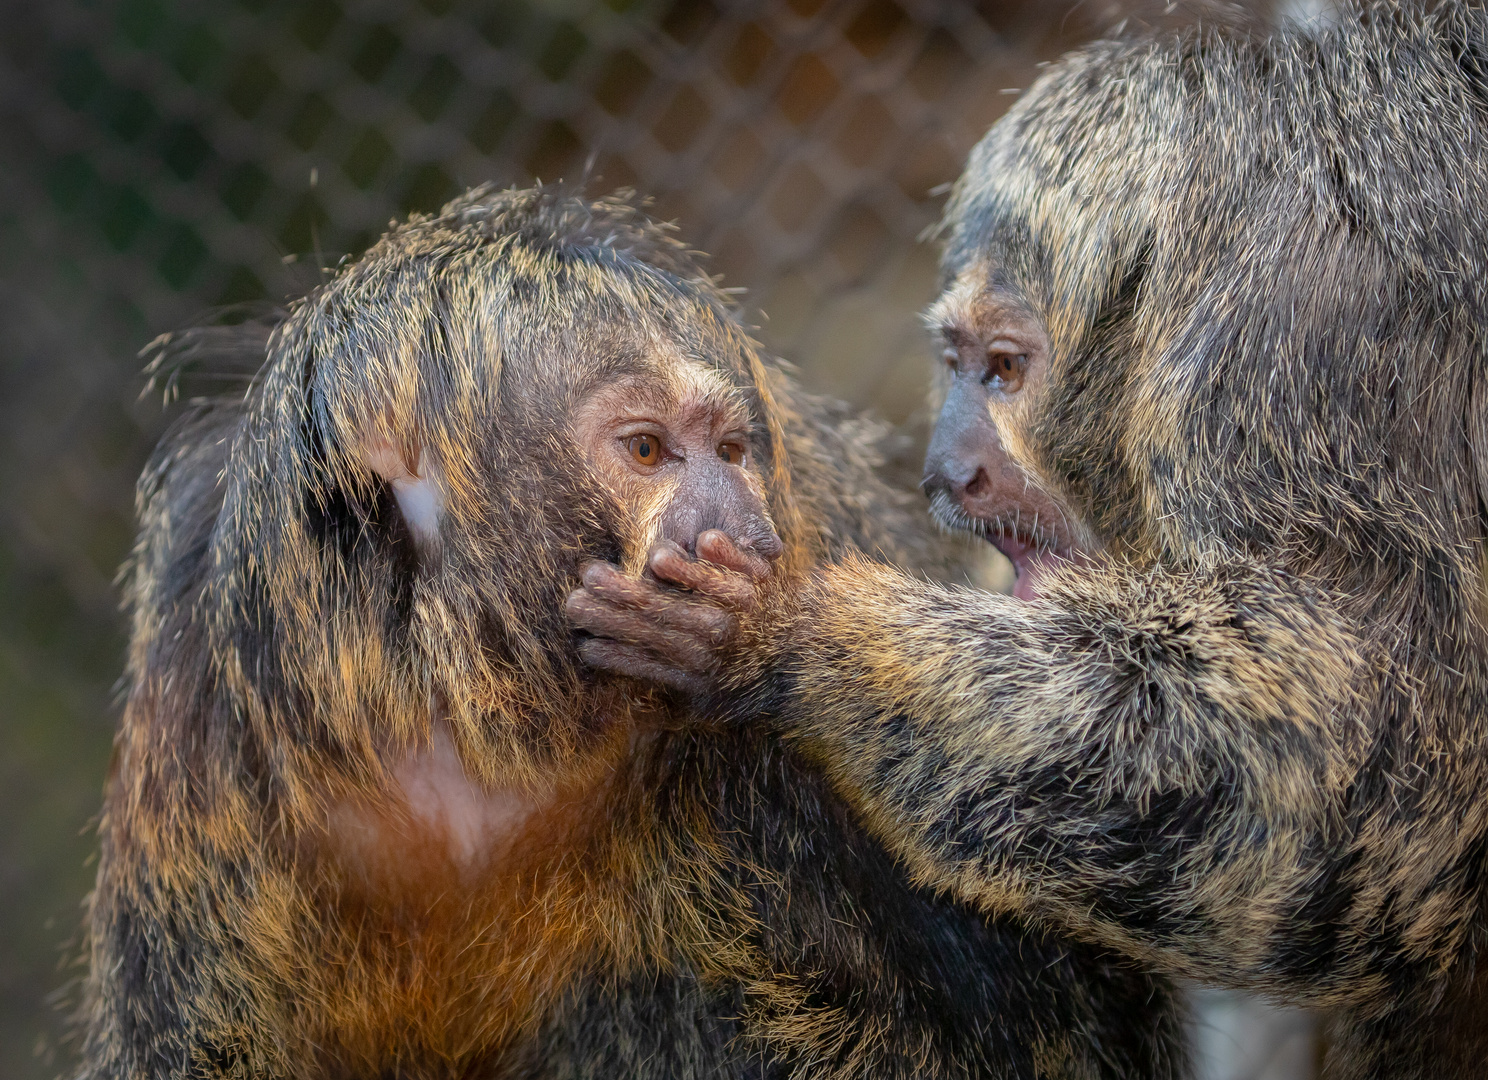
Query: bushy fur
[706,907]
[1249,745]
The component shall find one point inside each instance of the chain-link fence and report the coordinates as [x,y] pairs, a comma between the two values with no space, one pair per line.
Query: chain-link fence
[188,154]
[164,158]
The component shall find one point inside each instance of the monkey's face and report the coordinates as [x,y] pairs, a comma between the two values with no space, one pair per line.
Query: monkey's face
[1051,335]
[446,433]
[599,437]
[675,448]
[982,470]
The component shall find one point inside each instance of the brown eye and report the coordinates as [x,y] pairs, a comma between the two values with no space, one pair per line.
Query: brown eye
[1007,368]
[732,453]
[645,449]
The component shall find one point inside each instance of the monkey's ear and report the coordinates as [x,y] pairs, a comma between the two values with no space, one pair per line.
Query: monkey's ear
[416,484]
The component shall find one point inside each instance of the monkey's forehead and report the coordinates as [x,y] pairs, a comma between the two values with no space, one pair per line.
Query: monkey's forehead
[980,289]
[670,375]
[1081,146]
[678,353]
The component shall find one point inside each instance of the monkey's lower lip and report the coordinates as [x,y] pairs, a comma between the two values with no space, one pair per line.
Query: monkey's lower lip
[1030,562]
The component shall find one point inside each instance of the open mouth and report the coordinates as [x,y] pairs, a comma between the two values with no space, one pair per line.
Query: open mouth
[1033,553]
[1031,561]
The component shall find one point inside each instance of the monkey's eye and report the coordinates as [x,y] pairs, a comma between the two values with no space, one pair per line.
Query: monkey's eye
[1007,368]
[644,448]
[732,453]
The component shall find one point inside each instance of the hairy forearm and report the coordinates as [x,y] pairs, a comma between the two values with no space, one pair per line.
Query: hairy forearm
[1157,760]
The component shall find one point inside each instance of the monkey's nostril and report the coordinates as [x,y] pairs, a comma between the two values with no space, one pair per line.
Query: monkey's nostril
[979,484]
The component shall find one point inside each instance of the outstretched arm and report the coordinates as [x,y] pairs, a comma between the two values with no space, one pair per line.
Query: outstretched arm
[1161,760]
[1164,761]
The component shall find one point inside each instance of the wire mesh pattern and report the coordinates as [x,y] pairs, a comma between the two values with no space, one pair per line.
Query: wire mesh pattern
[799,142]
[165,158]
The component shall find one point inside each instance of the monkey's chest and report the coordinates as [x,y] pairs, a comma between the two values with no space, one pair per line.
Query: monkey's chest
[458,914]
[437,824]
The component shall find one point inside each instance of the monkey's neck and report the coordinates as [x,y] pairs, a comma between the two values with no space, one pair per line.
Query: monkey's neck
[436,826]
[475,823]
[456,913]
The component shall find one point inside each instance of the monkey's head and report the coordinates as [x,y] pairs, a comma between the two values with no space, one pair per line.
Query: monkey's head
[444,433]
[1190,303]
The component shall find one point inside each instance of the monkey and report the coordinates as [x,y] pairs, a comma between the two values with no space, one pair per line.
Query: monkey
[1212,376]
[370,814]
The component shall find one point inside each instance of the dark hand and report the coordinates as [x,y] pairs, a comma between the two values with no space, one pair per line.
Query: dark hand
[654,631]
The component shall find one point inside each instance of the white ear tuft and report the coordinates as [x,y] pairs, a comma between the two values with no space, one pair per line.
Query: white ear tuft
[419,493]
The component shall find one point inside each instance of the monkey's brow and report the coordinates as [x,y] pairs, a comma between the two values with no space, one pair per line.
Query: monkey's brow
[696,384]
[671,394]
[956,336]
[727,406]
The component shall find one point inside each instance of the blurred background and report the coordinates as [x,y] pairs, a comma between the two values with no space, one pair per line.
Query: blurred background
[165,160]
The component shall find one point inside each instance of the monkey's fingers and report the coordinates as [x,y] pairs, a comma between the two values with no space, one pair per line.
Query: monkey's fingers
[685,630]
[733,590]
[659,603]
[716,546]
[638,663]
[607,581]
